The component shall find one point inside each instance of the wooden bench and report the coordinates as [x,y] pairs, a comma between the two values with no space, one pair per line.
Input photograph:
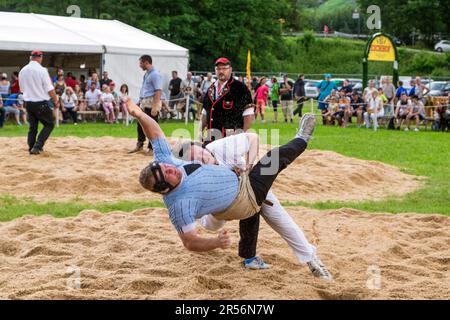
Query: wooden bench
[91,112]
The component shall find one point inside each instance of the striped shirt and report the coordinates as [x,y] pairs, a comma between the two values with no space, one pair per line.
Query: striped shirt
[207,190]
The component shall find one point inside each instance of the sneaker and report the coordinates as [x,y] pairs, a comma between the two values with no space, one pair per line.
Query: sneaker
[318,269]
[263,121]
[406,129]
[416,129]
[307,124]
[255,263]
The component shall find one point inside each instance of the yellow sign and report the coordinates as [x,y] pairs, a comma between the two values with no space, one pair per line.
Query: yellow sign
[381,49]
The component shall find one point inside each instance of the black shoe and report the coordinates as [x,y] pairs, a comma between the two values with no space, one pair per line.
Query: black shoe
[139,147]
[35,150]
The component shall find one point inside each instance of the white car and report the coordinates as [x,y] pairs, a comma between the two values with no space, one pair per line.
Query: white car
[311,88]
[442,46]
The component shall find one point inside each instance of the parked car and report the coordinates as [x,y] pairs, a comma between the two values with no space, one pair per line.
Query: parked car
[442,46]
[438,88]
[311,88]
[357,87]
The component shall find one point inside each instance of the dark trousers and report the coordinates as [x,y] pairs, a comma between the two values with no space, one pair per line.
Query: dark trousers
[248,232]
[70,112]
[2,116]
[299,107]
[267,169]
[39,112]
[141,134]
[261,179]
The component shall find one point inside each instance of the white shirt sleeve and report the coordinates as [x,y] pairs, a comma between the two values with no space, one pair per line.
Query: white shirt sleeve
[46,82]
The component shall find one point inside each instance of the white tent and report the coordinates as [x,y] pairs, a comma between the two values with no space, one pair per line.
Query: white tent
[117,45]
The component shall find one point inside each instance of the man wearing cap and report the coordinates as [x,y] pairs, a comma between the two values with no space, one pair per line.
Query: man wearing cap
[227,105]
[228,109]
[324,89]
[37,90]
[149,97]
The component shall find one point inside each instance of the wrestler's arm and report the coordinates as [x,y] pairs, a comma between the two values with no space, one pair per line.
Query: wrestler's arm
[193,242]
[248,120]
[253,148]
[156,103]
[151,128]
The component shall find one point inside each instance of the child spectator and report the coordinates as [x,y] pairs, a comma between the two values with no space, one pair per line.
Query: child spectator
[261,98]
[123,97]
[416,112]
[402,109]
[108,102]
[358,108]
[275,97]
[332,108]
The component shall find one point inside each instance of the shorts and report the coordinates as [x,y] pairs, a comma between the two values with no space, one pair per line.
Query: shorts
[275,105]
[323,106]
[260,104]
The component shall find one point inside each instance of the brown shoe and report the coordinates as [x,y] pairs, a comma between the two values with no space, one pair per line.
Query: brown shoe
[139,147]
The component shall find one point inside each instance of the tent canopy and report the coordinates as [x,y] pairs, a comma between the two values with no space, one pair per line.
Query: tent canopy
[120,45]
[28,31]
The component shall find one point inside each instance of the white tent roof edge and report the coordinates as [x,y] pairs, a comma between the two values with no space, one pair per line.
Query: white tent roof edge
[91,45]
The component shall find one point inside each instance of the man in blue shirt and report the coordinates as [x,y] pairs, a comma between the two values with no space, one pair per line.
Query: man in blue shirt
[324,89]
[149,97]
[400,90]
[191,190]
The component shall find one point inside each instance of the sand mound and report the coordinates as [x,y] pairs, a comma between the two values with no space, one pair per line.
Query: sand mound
[139,256]
[99,169]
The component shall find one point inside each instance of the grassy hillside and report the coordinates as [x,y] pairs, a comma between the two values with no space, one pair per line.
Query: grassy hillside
[344,57]
[335,5]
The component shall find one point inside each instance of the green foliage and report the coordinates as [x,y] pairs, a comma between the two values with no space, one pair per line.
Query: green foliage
[399,17]
[307,39]
[427,64]
[212,28]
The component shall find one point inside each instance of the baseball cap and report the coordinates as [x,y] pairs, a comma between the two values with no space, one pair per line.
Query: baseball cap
[222,60]
[328,75]
[37,53]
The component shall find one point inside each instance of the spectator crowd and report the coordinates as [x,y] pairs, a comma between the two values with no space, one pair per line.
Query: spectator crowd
[92,97]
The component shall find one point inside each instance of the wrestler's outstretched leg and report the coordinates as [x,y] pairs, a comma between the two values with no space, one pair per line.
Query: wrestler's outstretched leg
[267,169]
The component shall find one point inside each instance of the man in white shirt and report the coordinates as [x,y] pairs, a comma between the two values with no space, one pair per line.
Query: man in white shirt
[239,152]
[93,97]
[37,89]
[374,111]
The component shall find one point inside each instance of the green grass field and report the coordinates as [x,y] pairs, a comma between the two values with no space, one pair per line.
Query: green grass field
[424,153]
